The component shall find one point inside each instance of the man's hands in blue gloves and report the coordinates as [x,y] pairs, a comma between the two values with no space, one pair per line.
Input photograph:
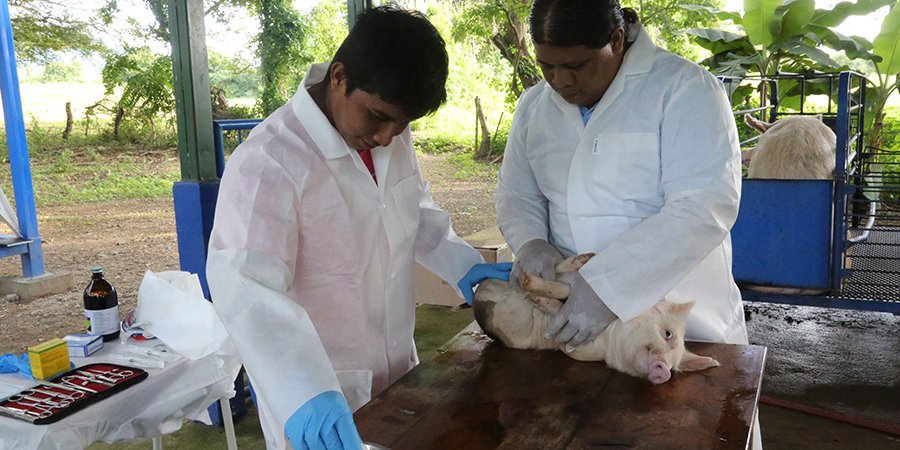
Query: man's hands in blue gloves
[582,317]
[479,273]
[536,257]
[325,422]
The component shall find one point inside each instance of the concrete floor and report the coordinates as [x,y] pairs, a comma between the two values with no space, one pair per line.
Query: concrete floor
[842,364]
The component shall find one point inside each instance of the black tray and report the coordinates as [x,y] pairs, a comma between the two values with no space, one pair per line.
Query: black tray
[57,413]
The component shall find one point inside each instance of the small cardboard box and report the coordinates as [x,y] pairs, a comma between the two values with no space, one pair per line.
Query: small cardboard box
[82,345]
[432,290]
[48,358]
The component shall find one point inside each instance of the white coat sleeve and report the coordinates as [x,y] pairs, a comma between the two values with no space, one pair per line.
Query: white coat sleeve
[437,246]
[521,206]
[250,267]
[700,177]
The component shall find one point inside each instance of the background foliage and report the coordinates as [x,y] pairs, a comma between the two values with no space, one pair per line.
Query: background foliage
[490,54]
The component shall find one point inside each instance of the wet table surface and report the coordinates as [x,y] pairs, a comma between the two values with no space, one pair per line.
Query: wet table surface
[476,394]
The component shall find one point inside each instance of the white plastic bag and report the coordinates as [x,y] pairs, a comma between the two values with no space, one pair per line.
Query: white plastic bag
[171,306]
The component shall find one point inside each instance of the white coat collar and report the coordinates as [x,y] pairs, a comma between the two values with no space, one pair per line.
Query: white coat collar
[640,56]
[326,137]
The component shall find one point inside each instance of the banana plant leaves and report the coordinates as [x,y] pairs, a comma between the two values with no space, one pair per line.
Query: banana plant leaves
[887,43]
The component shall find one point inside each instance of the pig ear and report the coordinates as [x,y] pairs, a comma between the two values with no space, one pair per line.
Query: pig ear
[679,310]
[692,362]
[753,122]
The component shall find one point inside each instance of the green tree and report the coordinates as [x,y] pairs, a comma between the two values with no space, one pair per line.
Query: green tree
[43,29]
[780,36]
[325,27]
[502,26]
[236,77]
[664,20]
[56,71]
[886,49]
[145,79]
[278,47]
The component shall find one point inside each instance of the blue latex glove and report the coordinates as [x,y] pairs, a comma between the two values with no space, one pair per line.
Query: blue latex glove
[10,363]
[324,422]
[479,273]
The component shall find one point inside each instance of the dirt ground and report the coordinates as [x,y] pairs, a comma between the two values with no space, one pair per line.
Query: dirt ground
[127,238]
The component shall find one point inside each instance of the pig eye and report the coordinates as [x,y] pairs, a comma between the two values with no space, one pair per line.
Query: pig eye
[669,335]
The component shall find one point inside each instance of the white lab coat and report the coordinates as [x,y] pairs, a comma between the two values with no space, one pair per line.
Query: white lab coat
[651,184]
[311,264]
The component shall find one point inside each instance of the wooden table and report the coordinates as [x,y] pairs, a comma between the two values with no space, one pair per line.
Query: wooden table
[476,394]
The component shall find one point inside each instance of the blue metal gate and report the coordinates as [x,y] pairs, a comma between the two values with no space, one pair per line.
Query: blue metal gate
[831,243]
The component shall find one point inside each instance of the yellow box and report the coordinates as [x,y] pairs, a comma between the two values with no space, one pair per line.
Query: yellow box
[49,359]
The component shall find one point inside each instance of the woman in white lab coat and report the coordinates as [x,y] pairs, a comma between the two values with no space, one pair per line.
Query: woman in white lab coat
[631,152]
[312,255]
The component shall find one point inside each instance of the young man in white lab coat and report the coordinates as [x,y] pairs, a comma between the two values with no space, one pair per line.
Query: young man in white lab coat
[630,152]
[322,214]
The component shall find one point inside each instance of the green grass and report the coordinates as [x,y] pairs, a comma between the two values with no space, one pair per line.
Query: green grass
[467,168]
[93,168]
[73,178]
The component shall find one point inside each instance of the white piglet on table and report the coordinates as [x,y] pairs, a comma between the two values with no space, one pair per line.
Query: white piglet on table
[794,147]
[649,346]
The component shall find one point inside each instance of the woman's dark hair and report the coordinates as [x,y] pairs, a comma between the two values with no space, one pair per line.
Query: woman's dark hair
[567,23]
[399,56]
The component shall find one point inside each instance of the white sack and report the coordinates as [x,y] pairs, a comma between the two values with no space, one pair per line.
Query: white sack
[8,215]
[171,306]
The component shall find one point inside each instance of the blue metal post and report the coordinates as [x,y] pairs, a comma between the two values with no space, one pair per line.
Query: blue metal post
[841,188]
[33,259]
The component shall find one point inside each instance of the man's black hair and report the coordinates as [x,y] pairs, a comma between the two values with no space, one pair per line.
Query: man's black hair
[399,56]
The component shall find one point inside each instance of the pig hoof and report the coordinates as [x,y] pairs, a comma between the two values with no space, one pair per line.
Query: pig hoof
[573,263]
[528,281]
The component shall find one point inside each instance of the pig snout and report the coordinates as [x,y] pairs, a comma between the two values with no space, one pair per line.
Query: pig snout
[659,372]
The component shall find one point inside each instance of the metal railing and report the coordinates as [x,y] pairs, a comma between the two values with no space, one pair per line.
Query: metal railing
[862,256]
[221,128]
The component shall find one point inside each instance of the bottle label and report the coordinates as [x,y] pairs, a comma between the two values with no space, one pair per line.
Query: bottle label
[102,321]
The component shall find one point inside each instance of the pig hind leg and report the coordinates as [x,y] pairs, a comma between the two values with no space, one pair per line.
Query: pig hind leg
[546,305]
[555,289]
[539,286]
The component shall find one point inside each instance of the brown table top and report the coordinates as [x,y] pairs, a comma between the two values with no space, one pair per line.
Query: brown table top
[477,394]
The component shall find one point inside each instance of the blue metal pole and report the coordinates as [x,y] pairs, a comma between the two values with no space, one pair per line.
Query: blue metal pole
[33,259]
[841,188]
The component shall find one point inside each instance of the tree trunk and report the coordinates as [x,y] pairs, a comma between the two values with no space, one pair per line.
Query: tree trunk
[483,151]
[513,45]
[117,124]
[876,140]
[69,122]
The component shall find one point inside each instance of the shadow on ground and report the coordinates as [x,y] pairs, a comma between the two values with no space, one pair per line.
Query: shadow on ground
[844,364]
